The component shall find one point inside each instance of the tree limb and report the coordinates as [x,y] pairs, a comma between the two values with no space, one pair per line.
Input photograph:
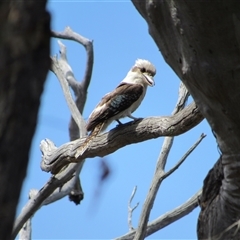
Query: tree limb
[24,48]
[53,190]
[37,201]
[106,143]
[70,35]
[129,133]
[159,173]
[26,231]
[131,209]
[168,217]
[173,169]
[80,91]
[61,68]
[79,88]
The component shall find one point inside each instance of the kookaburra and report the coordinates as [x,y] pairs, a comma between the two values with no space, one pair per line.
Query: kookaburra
[121,102]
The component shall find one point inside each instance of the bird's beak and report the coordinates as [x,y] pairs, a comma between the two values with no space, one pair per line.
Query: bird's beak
[149,79]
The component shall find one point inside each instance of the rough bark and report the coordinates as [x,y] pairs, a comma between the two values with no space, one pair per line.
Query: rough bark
[24,62]
[200,40]
[212,186]
[133,132]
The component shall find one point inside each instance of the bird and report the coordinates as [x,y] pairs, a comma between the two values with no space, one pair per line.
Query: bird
[121,102]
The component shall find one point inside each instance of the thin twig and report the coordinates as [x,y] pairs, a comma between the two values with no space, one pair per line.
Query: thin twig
[168,173]
[130,209]
[26,231]
[69,34]
[167,218]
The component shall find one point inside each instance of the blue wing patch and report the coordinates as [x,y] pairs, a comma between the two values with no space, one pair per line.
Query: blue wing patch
[117,101]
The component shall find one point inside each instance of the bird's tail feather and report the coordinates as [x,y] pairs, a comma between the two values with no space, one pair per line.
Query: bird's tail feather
[88,140]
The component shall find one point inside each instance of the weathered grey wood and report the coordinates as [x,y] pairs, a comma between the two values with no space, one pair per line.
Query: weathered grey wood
[200,40]
[160,173]
[129,133]
[80,91]
[167,218]
[24,63]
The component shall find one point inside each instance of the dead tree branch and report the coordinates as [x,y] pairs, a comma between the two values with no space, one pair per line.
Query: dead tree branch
[26,231]
[79,88]
[36,202]
[80,92]
[70,35]
[62,69]
[57,188]
[129,133]
[160,175]
[106,143]
[131,209]
[168,218]
[191,149]
[157,179]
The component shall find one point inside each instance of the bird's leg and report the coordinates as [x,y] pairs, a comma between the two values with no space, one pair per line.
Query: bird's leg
[132,117]
[119,123]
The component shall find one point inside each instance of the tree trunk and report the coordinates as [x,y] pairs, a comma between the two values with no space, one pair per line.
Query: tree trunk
[24,63]
[200,40]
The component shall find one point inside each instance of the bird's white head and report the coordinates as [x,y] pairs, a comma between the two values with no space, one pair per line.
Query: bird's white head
[142,72]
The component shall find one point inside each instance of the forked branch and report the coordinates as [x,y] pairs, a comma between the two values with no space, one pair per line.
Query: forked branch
[57,188]
[167,218]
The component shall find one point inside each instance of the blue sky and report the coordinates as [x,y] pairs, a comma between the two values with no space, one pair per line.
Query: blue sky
[120,36]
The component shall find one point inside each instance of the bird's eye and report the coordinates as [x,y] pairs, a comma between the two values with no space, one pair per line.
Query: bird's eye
[143,70]
[150,73]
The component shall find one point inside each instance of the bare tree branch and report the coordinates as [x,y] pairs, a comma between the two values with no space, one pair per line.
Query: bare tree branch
[173,169]
[61,68]
[26,231]
[106,143]
[168,217]
[157,179]
[77,124]
[183,95]
[160,175]
[70,35]
[36,202]
[80,91]
[131,209]
[63,71]
[57,188]
[129,133]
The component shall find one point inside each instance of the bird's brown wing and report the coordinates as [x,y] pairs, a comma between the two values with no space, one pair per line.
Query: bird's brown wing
[114,102]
